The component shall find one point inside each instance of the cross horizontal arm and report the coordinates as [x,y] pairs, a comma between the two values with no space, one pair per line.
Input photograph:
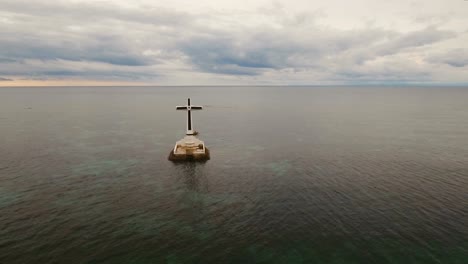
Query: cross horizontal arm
[189,107]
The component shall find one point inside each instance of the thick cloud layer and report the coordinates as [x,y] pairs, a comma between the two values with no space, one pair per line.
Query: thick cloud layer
[270,43]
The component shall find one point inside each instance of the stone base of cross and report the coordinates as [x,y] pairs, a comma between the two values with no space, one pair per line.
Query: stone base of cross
[189,148]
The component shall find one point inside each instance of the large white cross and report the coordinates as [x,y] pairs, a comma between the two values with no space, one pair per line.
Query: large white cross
[189,109]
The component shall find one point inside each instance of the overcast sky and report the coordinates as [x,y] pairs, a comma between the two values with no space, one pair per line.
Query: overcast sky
[187,42]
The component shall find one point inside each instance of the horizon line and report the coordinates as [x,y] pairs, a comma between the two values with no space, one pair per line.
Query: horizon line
[252,85]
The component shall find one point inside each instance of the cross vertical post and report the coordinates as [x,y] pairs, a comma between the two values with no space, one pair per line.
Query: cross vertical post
[189,116]
[189,107]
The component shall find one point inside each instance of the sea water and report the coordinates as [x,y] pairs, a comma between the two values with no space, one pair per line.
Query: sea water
[297,175]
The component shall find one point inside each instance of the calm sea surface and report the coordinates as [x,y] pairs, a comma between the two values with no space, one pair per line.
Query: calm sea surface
[297,175]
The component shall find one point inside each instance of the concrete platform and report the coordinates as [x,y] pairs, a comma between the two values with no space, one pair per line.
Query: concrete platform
[189,148]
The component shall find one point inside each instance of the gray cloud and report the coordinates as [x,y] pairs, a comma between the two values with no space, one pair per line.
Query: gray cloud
[415,39]
[106,41]
[104,49]
[455,58]
[65,10]
[222,52]
[83,32]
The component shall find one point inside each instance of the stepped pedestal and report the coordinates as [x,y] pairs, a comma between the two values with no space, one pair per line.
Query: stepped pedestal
[189,148]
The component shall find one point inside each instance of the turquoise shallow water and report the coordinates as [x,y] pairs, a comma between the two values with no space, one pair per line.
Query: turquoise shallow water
[297,175]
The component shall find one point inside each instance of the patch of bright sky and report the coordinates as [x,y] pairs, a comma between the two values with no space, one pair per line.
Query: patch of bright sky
[398,15]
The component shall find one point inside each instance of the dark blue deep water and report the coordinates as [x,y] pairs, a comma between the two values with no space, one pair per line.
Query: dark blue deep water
[297,175]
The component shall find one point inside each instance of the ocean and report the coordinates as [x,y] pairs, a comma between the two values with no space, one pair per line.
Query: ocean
[297,175]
